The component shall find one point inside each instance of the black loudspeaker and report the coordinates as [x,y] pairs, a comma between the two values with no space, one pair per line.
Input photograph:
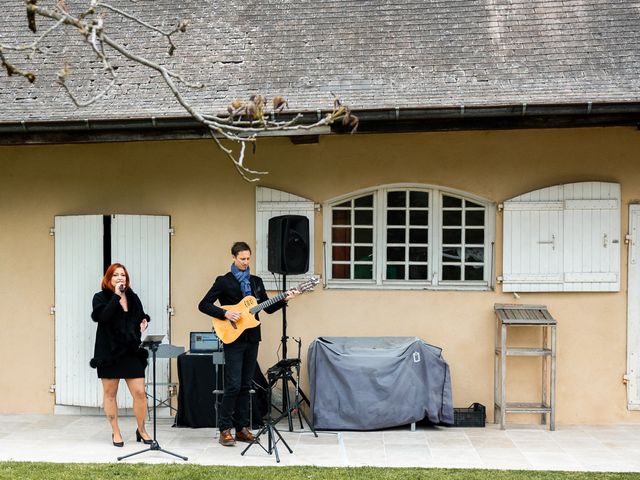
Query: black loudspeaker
[289,244]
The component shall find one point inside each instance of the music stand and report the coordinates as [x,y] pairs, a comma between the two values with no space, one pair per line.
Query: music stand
[165,350]
[151,342]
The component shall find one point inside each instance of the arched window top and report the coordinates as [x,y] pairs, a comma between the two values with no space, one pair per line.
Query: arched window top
[410,186]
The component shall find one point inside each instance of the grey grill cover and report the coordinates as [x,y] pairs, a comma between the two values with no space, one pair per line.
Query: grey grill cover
[367,383]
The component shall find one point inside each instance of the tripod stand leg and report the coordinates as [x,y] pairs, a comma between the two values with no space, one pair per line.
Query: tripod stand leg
[301,413]
[154,447]
[272,444]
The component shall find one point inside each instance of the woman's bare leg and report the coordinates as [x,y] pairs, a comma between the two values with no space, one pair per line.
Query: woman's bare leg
[136,387]
[110,390]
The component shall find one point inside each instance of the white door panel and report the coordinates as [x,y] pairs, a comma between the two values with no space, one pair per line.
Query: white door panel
[141,243]
[78,270]
[633,311]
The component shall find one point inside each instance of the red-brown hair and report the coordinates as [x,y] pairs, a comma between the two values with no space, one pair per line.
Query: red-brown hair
[106,280]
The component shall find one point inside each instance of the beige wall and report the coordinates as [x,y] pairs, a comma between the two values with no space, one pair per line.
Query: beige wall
[211,206]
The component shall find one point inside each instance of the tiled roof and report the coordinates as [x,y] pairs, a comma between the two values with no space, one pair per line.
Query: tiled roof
[371,53]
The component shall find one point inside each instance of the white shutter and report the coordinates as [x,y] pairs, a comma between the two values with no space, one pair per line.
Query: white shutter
[563,238]
[141,243]
[272,203]
[592,237]
[532,242]
[78,270]
[633,311]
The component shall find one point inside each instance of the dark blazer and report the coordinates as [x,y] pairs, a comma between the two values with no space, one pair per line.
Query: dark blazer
[226,290]
[118,331]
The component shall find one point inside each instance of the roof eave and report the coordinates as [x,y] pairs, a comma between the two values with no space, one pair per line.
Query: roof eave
[381,120]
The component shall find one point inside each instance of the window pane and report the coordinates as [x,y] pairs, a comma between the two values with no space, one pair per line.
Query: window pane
[419,217]
[451,254]
[396,217]
[474,217]
[346,204]
[452,217]
[363,254]
[396,235]
[418,235]
[452,235]
[419,199]
[450,272]
[474,235]
[474,254]
[341,235]
[364,217]
[418,272]
[363,272]
[469,204]
[395,254]
[474,272]
[366,201]
[341,217]
[341,253]
[418,254]
[340,271]
[395,272]
[364,235]
[448,201]
[396,199]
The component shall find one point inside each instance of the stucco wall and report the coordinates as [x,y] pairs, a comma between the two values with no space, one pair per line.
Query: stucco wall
[211,206]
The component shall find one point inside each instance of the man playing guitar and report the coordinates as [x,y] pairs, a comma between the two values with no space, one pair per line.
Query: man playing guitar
[240,353]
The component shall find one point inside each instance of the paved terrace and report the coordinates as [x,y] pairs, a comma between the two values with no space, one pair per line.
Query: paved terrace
[66,438]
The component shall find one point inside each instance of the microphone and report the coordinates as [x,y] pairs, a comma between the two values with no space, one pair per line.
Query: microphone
[121,287]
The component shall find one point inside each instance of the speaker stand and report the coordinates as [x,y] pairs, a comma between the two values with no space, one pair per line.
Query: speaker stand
[284,319]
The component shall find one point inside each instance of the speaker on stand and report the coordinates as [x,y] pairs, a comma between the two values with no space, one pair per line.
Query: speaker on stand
[288,254]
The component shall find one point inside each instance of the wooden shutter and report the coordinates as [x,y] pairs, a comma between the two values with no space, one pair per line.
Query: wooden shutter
[78,270]
[272,203]
[532,251]
[141,243]
[633,310]
[563,238]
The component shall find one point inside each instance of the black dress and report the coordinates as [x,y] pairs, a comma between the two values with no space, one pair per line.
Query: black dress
[117,352]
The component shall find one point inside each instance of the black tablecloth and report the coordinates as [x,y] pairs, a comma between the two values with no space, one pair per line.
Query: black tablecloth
[196,408]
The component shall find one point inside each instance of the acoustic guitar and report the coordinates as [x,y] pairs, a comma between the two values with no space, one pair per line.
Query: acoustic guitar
[228,331]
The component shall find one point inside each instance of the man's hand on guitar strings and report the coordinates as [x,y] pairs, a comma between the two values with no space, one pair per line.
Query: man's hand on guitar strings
[233,317]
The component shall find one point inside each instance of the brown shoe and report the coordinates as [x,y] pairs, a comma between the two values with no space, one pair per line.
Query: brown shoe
[244,435]
[226,438]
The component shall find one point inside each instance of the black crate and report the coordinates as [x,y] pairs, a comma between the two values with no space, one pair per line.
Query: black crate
[474,416]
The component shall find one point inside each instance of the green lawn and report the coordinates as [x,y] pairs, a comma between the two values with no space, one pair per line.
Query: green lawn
[31,470]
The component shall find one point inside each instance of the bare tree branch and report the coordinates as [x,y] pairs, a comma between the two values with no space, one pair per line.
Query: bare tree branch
[245,119]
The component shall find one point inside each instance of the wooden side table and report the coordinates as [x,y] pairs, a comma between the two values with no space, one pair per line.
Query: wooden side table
[508,316]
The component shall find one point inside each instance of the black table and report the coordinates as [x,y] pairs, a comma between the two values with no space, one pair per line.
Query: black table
[196,407]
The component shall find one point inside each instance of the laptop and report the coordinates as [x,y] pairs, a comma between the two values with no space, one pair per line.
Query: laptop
[204,342]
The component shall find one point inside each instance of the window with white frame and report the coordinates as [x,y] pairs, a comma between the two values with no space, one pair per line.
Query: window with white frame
[409,236]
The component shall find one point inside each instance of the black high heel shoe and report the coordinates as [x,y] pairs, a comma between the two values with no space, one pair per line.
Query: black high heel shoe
[140,439]
[117,444]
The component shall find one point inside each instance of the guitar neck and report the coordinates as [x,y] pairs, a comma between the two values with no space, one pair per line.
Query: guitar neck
[268,303]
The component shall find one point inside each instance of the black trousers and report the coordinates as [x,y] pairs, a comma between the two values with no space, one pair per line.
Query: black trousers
[239,365]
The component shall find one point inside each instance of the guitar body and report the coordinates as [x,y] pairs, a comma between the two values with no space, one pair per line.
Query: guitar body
[225,329]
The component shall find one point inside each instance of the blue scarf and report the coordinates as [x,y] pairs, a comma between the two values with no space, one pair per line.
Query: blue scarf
[243,278]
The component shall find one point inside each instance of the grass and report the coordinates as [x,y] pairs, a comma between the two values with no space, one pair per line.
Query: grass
[72,471]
